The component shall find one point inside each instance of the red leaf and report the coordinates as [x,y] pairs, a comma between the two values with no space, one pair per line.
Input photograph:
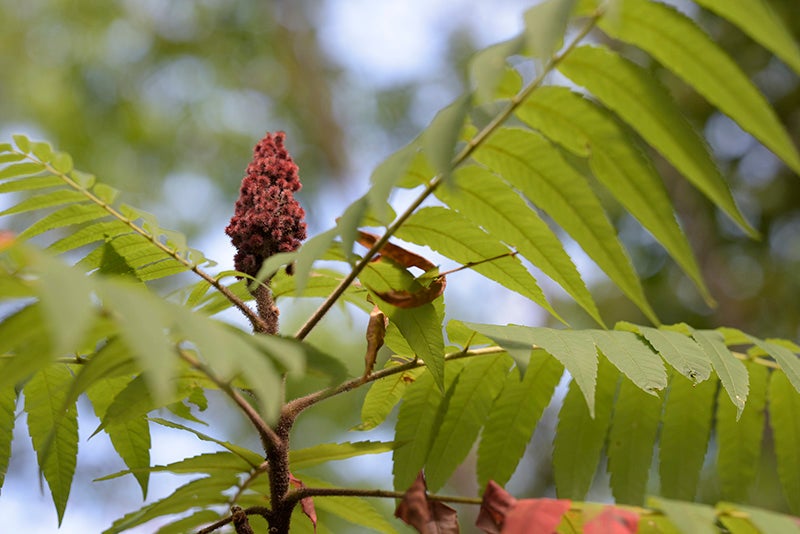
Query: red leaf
[612,520]
[428,517]
[407,299]
[307,503]
[535,515]
[495,506]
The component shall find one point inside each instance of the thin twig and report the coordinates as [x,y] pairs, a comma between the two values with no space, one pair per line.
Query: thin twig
[437,180]
[296,406]
[263,511]
[269,439]
[301,493]
[251,315]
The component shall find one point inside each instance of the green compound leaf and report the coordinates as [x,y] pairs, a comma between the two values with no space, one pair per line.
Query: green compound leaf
[757,19]
[640,99]
[580,437]
[784,410]
[513,417]
[486,200]
[685,430]
[530,164]
[679,44]
[468,403]
[631,441]
[56,450]
[452,235]
[739,436]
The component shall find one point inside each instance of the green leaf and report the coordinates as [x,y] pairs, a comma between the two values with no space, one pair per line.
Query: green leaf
[22,334]
[62,162]
[685,429]
[311,251]
[190,523]
[488,201]
[27,184]
[545,24]
[420,326]
[785,357]
[42,150]
[631,441]
[131,437]
[769,521]
[679,44]
[22,142]
[57,450]
[489,73]
[452,235]
[573,348]
[739,437]
[255,459]
[327,452]
[8,404]
[10,158]
[142,320]
[439,138]
[20,169]
[757,19]
[208,463]
[730,370]
[641,101]
[45,200]
[679,350]
[415,428]
[633,357]
[383,396]
[686,516]
[530,164]
[514,416]
[65,300]
[387,174]
[89,234]
[66,216]
[206,491]
[784,411]
[467,405]
[580,437]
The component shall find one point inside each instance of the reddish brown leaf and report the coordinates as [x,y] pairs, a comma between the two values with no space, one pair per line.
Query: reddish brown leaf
[428,517]
[376,331]
[612,520]
[404,257]
[307,503]
[496,504]
[407,299]
[535,515]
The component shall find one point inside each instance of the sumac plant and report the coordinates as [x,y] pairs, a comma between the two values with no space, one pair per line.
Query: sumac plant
[85,315]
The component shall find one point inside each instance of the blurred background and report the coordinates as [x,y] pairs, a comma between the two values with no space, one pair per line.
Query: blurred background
[164,99]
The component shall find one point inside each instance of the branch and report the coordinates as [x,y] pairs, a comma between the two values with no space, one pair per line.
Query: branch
[294,407]
[269,439]
[253,510]
[252,316]
[437,180]
[301,493]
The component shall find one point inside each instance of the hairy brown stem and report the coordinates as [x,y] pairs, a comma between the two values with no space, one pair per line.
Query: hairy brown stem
[268,436]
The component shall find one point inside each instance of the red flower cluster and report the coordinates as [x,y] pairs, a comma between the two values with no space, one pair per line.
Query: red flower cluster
[267,219]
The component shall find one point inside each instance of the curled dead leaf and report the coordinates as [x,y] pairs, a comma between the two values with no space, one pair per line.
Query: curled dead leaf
[307,503]
[425,515]
[376,332]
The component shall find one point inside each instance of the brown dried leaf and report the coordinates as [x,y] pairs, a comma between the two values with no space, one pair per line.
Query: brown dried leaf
[307,503]
[376,331]
[404,257]
[495,506]
[428,517]
[407,299]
